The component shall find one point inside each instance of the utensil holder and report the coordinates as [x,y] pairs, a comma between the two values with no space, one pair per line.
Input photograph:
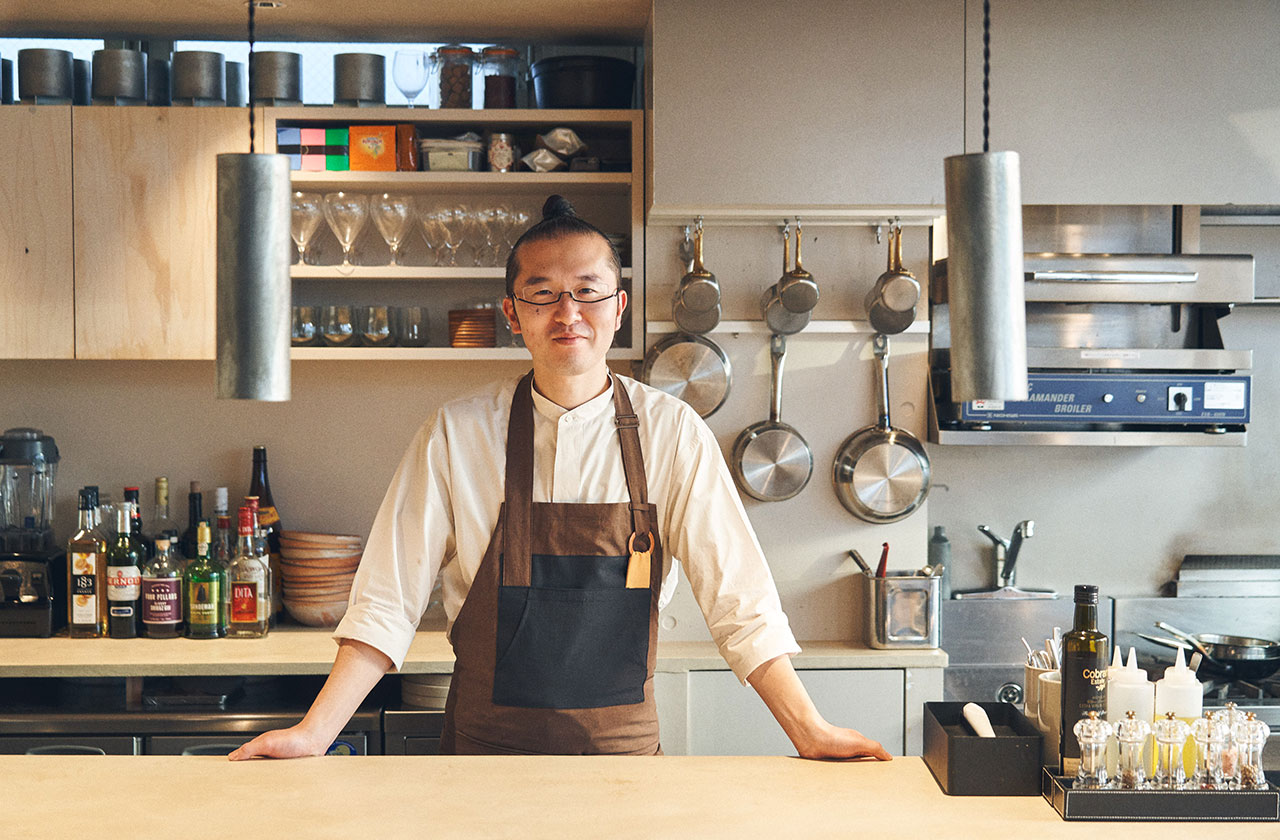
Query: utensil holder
[902,611]
[359,79]
[119,77]
[277,78]
[199,78]
[45,76]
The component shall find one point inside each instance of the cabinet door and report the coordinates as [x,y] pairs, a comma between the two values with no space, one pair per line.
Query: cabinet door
[727,718]
[36,283]
[826,102]
[145,217]
[1142,102]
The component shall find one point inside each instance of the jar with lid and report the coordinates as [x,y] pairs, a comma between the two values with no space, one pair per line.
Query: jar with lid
[454,67]
[501,69]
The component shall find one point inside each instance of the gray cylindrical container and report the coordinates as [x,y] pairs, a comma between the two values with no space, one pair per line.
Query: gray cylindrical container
[359,79]
[82,86]
[253,286]
[119,77]
[199,78]
[159,84]
[237,84]
[277,78]
[6,81]
[985,277]
[45,76]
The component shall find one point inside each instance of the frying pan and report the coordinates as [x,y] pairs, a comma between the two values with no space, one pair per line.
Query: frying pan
[1239,656]
[692,368]
[881,474]
[771,461]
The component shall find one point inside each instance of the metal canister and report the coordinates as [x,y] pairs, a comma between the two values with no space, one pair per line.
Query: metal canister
[237,84]
[45,76]
[6,81]
[119,77]
[502,152]
[199,78]
[159,84]
[277,78]
[359,79]
[82,82]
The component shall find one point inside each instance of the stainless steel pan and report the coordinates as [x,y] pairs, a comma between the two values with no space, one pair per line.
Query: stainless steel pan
[692,368]
[781,320]
[771,461]
[1238,656]
[881,474]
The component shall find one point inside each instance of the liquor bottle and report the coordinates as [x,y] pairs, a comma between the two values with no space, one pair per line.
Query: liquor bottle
[223,548]
[205,584]
[135,521]
[268,521]
[161,595]
[162,526]
[195,513]
[124,558]
[250,585]
[86,576]
[263,548]
[1084,673]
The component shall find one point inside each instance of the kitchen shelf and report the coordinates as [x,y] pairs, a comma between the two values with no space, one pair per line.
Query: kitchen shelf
[822,215]
[516,183]
[426,354]
[815,327]
[406,272]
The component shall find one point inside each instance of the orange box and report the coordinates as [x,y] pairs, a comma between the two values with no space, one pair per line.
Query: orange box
[373,148]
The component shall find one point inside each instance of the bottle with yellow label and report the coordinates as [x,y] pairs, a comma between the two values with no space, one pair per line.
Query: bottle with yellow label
[1084,673]
[86,576]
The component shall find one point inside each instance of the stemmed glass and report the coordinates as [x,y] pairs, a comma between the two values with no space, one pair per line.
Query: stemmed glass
[346,214]
[410,69]
[489,222]
[455,223]
[393,214]
[308,210]
[432,231]
[517,223]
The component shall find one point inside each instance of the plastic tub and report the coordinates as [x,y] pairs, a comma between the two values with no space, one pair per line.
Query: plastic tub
[583,81]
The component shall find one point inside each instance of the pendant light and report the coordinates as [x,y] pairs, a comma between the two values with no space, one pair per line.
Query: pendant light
[254,253]
[985,294]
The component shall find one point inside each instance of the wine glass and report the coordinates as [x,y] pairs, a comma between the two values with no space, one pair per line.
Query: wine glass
[517,223]
[473,233]
[433,231]
[393,214]
[410,69]
[454,222]
[308,210]
[346,214]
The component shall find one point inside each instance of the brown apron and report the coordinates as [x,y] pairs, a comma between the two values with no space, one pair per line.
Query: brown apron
[557,639]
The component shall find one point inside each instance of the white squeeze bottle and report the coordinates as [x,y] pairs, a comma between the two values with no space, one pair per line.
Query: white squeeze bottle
[1128,690]
[1181,693]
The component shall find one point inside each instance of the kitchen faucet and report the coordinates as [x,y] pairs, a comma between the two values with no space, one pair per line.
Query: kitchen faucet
[1007,551]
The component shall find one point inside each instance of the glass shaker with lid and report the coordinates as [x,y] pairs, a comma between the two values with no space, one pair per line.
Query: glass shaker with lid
[500,67]
[454,66]
[1092,732]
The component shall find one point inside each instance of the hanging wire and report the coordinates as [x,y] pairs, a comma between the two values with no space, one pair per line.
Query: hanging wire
[986,76]
[252,4]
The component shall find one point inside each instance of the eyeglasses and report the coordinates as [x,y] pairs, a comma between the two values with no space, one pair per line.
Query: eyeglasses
[546,297]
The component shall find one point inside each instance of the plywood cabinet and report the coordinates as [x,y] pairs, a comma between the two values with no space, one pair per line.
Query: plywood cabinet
[36,288]
[1142,102]
[145,228]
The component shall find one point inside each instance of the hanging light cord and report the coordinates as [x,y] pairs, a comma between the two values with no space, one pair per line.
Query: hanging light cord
[251,4]
[986,74]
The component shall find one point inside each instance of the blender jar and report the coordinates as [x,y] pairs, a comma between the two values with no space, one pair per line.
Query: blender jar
[28,464]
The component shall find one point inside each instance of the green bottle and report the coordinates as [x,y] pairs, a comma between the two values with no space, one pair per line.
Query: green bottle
[204,585]
[1084,673]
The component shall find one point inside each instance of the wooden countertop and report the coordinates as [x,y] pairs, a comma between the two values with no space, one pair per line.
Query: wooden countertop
[529,797]
[295,650]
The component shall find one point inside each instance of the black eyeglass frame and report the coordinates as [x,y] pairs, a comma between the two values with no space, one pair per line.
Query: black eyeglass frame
[560,297]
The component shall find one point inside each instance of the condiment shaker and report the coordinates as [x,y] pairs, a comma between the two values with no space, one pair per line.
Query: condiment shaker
[1093,733]
[1250,736]
[1229,717]
[1211,736]
[1132,733]
[1171,734]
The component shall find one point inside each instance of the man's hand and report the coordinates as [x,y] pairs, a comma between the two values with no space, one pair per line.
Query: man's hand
[294,742]
[837,742]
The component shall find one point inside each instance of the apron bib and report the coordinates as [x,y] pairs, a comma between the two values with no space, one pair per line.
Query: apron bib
[556,641]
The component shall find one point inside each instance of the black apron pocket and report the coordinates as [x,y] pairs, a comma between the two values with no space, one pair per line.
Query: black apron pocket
[571,648]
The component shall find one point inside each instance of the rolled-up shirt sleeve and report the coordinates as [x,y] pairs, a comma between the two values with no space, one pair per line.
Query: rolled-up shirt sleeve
[709,532]
[412,537]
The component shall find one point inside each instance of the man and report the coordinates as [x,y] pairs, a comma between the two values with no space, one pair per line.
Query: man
[551,508]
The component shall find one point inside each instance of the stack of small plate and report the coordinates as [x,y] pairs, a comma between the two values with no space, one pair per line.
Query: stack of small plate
[316,572]
[424,691]
[472,328]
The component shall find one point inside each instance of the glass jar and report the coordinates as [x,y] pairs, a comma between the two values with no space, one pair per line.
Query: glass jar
[454,67]
[1092,732]
[1171,734]
[1132,733]
[1211,735]
[500,67]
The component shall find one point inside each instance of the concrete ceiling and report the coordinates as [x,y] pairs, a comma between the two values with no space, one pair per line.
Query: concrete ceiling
[538,21]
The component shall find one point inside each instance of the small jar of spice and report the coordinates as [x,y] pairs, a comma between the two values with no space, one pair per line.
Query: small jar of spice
[500,68]
[455,65]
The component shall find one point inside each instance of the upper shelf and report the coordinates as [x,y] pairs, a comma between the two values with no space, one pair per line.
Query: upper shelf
[462,117]
[513,182]
[406,272]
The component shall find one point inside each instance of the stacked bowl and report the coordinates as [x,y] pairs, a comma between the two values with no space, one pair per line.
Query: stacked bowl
[424,691]
[316,572]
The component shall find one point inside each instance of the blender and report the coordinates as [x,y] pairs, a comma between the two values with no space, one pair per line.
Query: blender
[31,561]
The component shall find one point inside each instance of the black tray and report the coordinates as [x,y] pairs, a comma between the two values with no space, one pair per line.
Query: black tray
[1161,805]
[965,765]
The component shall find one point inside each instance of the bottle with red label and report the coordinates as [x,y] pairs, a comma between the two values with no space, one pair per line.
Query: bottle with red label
[162,595]
[268,521]
[250,585]
[124,577]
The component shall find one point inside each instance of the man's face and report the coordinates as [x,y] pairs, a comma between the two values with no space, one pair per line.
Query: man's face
[566,337]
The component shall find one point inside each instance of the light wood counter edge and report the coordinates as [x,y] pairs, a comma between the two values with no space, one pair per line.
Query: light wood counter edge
[295,650]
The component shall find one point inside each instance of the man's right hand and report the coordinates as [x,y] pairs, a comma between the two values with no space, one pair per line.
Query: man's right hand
[293,742]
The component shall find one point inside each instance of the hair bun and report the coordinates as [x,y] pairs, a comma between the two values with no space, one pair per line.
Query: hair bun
[556,206]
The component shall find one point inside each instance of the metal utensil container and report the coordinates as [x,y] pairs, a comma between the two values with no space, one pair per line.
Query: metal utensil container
[902,611]
[199,78]
[119,77]
[45,76]
[359,79]
[237,84]
[277,78]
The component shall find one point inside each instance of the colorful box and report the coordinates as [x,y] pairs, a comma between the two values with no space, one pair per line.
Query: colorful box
[313,149]
[336,154]
[373,148]
[289,143]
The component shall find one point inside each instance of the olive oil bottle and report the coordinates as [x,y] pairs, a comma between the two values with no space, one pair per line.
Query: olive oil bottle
[1084,673]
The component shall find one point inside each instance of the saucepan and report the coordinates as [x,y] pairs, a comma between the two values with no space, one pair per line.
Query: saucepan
[881,474]
[771,461]
[691,367]
[781,320]
[1237,656]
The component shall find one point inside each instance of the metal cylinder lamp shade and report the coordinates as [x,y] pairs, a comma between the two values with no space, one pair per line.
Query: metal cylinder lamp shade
[985,277]
[253,287]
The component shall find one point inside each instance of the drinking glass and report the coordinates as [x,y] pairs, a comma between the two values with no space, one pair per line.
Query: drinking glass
[473,233]
[393,214]
[346,214]
[308,210]
[306,328]
[410,69]
[490,223]
[517,223]
[336,328]
[456,222]
[433,231]
[409,325]
[375,326]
